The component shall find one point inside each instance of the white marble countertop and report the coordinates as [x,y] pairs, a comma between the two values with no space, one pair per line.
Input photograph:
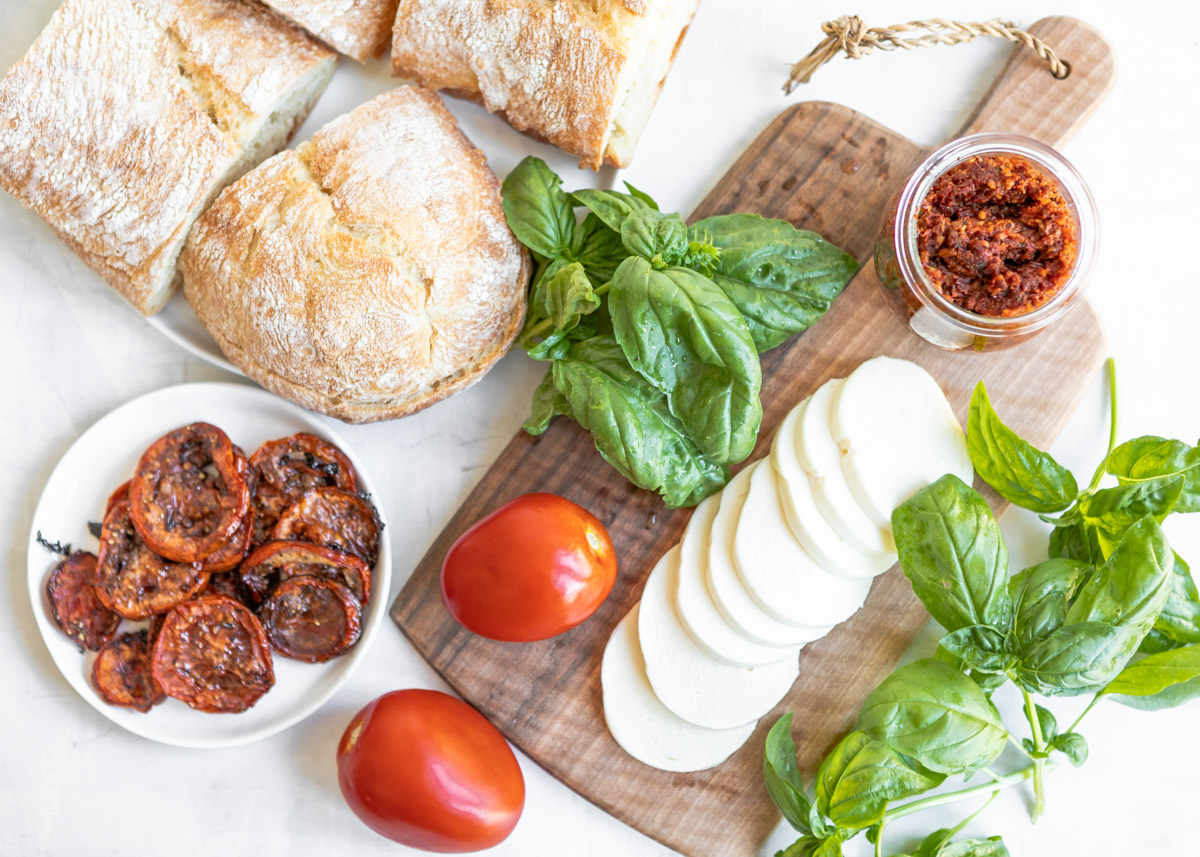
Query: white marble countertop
[71,350]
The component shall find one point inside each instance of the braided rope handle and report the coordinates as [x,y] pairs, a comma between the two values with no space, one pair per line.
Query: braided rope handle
[848,35]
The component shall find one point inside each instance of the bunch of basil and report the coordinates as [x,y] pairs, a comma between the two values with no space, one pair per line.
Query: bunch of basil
[1067,626]
[653,328]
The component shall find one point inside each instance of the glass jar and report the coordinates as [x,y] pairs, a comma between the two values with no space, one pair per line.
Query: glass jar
[910,292]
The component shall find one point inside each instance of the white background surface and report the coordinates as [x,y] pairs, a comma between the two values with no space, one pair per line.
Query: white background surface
[71,350]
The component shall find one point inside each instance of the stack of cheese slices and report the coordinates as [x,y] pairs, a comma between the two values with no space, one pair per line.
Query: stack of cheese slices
[785,552]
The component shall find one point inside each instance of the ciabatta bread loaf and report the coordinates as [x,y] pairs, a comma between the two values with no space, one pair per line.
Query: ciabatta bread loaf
[581,74]
[358,28]
[367,273]
[126,117]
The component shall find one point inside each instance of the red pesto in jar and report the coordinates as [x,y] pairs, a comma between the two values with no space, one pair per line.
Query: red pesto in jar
[996,237]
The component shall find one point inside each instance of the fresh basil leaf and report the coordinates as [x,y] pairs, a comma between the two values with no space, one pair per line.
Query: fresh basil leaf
[1156,642]
[931,844]
[1018,471]
[538,212]
[642,195]
[547,404]
[991,847]
[781,278]
[1076,541]
[660,238]
[1131,589]
[598,249]
[1159,681]
[1040,595]
[1147,458]
[564,298]
[935,714]
[612,207]
[1076,658]
[632,425]
[980,647]
[1072,745]
[1112,511]
[684,336]
[1179,621]
[829,845]
[858,779]
[1046,722]
[951,549]
[782,777]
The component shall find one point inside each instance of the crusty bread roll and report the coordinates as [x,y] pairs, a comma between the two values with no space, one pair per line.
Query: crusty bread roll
[126,117]
[367,273]
[358,28]
[581,74]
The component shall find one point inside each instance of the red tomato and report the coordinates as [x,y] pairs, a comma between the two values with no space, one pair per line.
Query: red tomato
[532,569]
[429,771]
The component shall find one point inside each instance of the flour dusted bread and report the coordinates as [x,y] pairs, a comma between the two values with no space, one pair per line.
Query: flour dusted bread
[367,273]
[358,28]
[126,117]
[581,74]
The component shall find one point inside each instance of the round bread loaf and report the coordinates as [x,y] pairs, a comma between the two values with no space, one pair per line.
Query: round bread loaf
[367,273]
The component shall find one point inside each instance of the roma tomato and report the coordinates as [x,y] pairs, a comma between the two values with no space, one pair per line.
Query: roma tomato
[429,771]
[534,568]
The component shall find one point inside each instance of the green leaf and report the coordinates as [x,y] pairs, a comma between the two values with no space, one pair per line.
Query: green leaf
[1046,723]
[1040,595]
[612,207]
[1076,658]
[938,844]
[547,404]
[1112,511]
[1159,681]
[641,195]
[858,779]
[684,336]
[815,846]
[660,238]
[1130,589]
[1148,458]
[537,210]
[631,424]
[780,278]
[598,249]
[1072,745]
[1017,470]
[951,549]
[1076,541]
[980,647]
[935,714]
[1179,621]
[564,298]
[782,777]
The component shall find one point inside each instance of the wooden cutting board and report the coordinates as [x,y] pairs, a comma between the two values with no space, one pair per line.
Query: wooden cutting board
[823,167]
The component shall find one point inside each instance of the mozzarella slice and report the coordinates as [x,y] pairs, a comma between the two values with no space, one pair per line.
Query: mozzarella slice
[694,686]
[898,434]
[697,612]
[807,523]
[776,570]
[728,593]
[644,727]
[821,458]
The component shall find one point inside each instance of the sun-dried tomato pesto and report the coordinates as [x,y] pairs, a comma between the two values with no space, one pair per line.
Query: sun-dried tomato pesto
[996,236]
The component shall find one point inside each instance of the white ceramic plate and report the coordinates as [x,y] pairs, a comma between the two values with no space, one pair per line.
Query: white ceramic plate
[104,457]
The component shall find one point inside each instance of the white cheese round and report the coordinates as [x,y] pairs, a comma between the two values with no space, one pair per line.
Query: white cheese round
[689,682]
[644,727]
[778,573]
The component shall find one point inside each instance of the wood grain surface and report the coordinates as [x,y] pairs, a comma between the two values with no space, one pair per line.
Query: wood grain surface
[822,167]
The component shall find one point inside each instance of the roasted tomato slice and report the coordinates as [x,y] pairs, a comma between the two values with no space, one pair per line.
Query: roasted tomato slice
[189,494]
[212,654]
[133,580]
[76,608]
[280,560]
[121,673]
[311,618]
[334,518]
[283,470]
[230,585]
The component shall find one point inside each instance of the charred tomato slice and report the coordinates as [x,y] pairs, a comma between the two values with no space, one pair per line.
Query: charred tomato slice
[122,676]
[279,560]
[284,469]
[312,619]
[334,518]
[213,655]
[74,604]
[189,494]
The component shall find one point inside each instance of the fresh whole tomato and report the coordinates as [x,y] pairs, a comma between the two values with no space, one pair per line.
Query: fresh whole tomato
[536,567]
[429,771]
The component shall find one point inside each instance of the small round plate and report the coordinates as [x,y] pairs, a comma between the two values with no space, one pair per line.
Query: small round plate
[178,323]
[104,457]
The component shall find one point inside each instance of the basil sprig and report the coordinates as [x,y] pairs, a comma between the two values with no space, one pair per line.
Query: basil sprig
[653,328]
[1072,624]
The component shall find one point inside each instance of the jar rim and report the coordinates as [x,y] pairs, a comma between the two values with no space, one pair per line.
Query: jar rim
[1070,183]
